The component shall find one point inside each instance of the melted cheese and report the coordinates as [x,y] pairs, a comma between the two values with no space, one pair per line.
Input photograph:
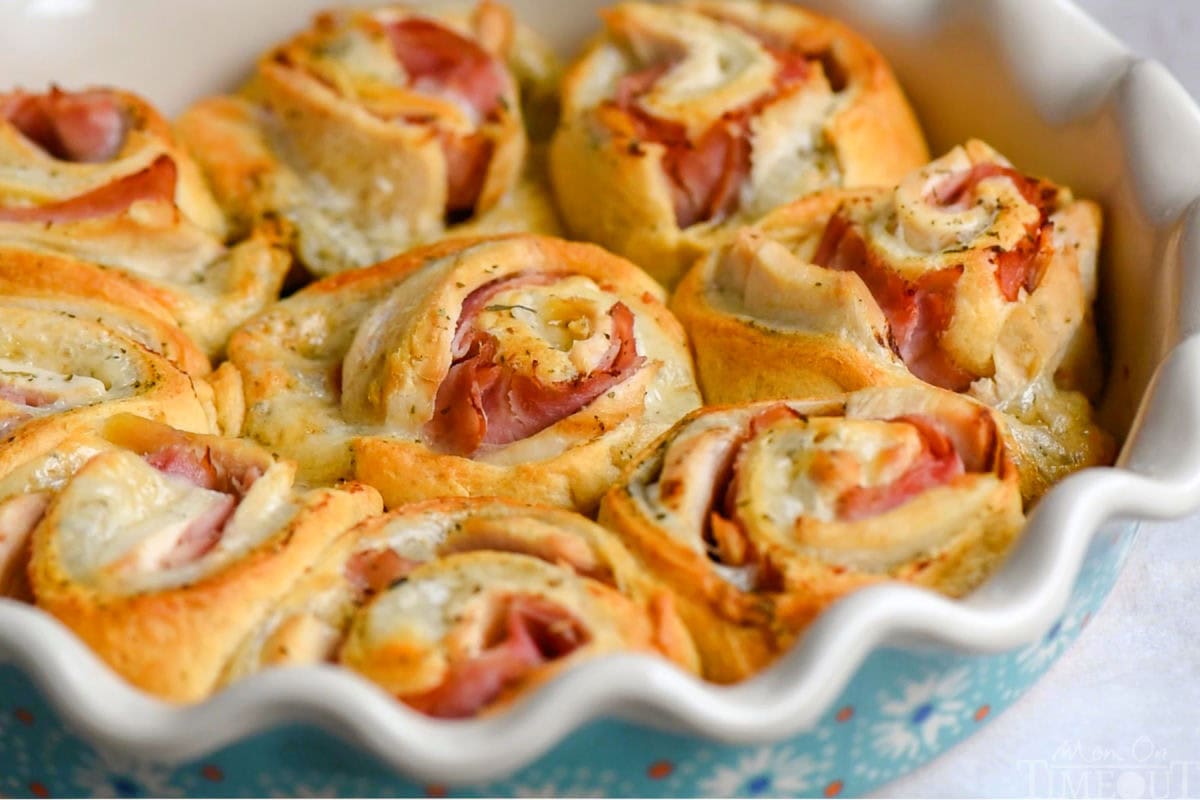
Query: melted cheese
[67,389]
[800,469]
[715,67]
[123,516]
[919,227]
[790,153]
[556,332]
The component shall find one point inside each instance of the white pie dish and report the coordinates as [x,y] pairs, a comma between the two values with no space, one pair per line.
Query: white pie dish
[1041,82]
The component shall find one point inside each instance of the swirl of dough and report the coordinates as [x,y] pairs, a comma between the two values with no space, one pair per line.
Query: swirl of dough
[163,551]
[96,174]
[521,366]
[376,130]
[687,120]
[458,606]
[117,301]
[970,276]
[60,372]
[759,516]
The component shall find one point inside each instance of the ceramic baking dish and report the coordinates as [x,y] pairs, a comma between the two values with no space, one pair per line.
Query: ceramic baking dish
[884,679]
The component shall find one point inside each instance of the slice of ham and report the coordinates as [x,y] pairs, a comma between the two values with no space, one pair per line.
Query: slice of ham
[467,161]
[201,535]
[192,464]
[18,517]
[726,537]
[483,402]
[1022,265]
[442,62]
[195,463]
[82,127]
[958,190]
[938,464]
[374,571]
[155,182]
[26,395]
[917,311]
[705,174]
[530,633]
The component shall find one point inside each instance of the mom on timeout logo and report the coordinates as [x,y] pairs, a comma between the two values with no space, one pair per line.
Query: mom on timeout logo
[1141,770]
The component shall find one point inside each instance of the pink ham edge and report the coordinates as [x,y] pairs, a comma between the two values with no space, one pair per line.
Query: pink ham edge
[25,396]
[374,571]
[704,175]
[201,535]
[938,464]
[195,465]
[440,61]
[480,402]
[155,182]
[917,311]
[18,517]
[535,632]
[1020,266]
[82,127]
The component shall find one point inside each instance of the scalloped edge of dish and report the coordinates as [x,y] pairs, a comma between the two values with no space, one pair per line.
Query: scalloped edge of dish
[1158,476]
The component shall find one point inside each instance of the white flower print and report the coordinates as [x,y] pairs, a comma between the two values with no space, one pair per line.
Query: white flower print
[765,772]
[566,782]
[552,789]
[914,719]
[280,782]
[1036,657]
[111,775]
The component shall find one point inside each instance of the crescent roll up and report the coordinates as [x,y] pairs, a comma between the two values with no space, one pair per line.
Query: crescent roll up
[162,552]
[759,516]
[133,308]
[459,606]
[376,130]
[96,174]
[61,372]
[683,121]
[522,366]
[969,275]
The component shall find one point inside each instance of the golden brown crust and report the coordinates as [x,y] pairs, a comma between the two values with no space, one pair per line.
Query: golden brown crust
[147,212]
[345,376]
[968,275]
[804,360]
[371,603]
[330,138]
[115,300]
[761,515]
[609,180]
[229,399]
[92,372]
[172,636]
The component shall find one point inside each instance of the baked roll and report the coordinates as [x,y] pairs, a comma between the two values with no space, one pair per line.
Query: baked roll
[970,276]
[117,301]
[25,493]
[61,372]
[521,366]
[759,516]
[684,121]
[97,175]
[163,552]
[376,130]
[458,606]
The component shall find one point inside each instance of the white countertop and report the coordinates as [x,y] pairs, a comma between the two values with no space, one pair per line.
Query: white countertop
[1119,714]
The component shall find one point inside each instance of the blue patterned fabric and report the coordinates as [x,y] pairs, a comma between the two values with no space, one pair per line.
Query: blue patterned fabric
[901,709]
